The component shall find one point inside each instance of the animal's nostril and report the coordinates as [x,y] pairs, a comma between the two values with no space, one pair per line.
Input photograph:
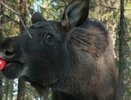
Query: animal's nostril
[9,53]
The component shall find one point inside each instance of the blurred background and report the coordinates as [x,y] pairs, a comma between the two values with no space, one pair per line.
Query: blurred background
[115,14]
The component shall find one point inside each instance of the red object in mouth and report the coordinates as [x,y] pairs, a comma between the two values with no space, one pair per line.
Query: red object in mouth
[2,63]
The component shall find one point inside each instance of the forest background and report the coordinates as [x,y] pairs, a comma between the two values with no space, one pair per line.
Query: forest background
[115,14]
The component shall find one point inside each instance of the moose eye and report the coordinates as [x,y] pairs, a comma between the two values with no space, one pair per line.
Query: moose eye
[50,37]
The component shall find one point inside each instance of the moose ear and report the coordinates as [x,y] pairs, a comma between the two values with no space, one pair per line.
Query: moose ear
[36,17]
[75,13]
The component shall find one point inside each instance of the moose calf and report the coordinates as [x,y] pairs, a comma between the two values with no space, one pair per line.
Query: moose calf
[72,57]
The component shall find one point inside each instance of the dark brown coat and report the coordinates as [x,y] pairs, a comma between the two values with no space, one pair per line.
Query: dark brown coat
[73,57]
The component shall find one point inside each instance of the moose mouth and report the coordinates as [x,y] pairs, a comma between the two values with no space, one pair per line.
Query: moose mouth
[12,69]
[12,63]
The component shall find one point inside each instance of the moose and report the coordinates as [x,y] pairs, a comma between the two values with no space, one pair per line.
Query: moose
[74,57]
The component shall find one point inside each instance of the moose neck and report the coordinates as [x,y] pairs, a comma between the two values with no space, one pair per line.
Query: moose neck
[68,80]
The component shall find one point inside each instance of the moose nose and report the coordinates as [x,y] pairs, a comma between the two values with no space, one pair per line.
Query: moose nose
[7,48]
[9,53]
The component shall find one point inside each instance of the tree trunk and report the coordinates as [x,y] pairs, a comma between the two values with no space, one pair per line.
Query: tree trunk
[21,82]
[11,90]
[1,20]
[1,36]
[21,89]
[7,89]
[121,87]
[1,92]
